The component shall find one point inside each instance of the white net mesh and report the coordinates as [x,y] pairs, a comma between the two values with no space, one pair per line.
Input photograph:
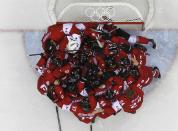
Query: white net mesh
[116,12]
[128,13]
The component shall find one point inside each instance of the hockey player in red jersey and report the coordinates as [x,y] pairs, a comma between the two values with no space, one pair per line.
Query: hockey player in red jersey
[107,110]
[132,99]
[132,76]
[55,92]
[58,31]
[109,104]
[115,53]
[109,32]
[99,33]
[117,35]
[135,59]
[115,84]
[146,75]
[41,65]
[84,110]
[50,76]
[63,37]
[139,53]
[132,39]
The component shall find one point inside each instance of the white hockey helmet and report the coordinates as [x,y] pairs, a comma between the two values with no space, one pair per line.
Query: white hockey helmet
[74,43]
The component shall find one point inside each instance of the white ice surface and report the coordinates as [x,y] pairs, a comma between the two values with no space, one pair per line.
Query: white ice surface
[22,108]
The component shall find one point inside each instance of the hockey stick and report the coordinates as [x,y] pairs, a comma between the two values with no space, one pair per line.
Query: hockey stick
[91,127]
[58,119]
[36,54]
[68,51]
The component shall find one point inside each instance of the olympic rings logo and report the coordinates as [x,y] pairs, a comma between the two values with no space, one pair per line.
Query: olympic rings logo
[100,13]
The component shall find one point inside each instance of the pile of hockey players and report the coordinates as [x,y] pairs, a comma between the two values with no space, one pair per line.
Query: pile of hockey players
[94,69]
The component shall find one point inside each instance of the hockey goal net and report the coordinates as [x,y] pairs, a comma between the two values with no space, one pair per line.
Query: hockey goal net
[127,14]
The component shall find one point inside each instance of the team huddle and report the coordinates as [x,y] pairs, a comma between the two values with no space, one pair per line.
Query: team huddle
[94,69]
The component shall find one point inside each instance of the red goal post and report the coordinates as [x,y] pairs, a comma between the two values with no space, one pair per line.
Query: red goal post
[123,25]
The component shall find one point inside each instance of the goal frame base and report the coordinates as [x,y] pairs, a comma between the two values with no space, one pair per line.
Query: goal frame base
[136,25]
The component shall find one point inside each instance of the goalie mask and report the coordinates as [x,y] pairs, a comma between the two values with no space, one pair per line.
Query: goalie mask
[74,43]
